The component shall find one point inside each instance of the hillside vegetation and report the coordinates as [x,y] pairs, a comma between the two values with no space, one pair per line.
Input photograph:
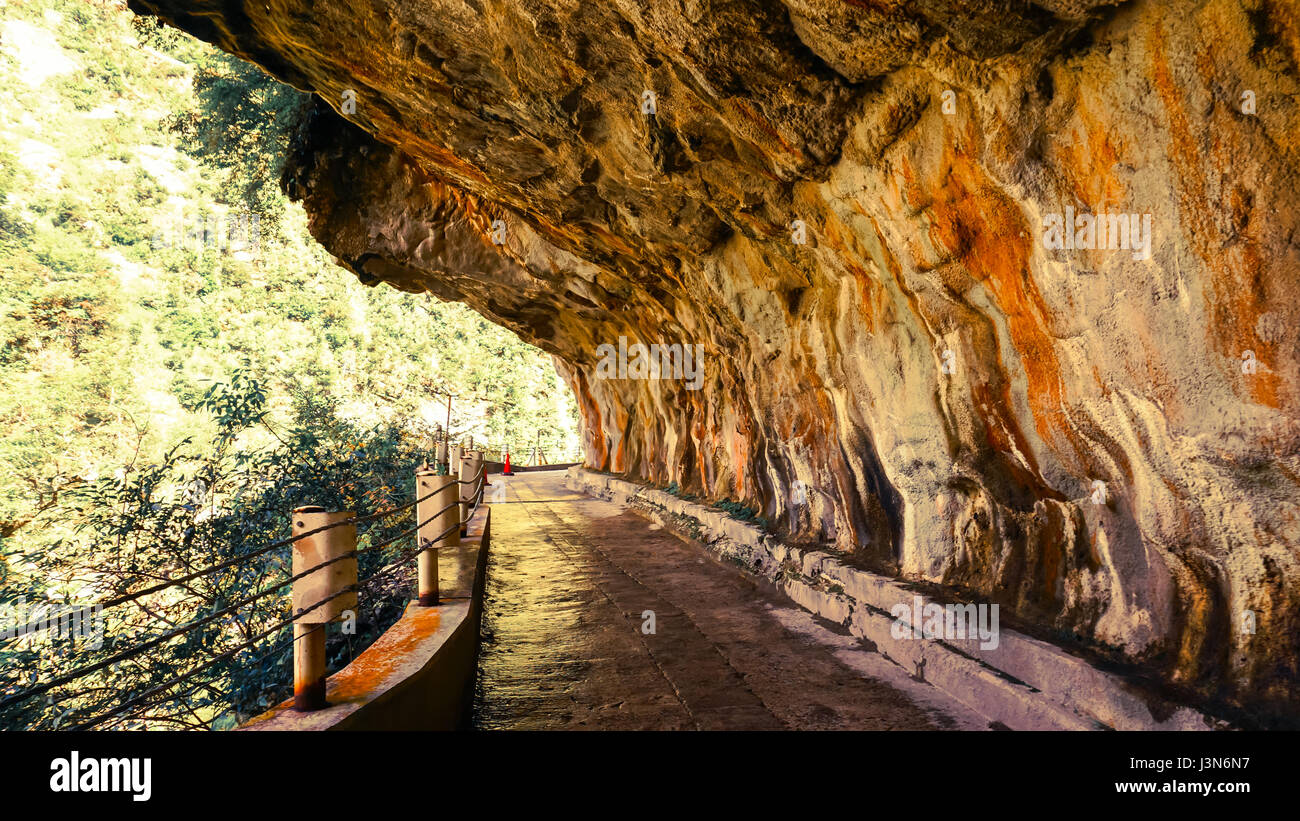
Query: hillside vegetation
[182,365]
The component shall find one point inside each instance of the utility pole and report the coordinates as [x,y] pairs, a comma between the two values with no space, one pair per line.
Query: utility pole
[446,433]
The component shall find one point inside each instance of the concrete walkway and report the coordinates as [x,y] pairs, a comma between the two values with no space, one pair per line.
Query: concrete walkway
[569,584]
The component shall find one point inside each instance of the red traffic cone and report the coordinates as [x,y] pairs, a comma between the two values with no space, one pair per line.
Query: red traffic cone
[507,471]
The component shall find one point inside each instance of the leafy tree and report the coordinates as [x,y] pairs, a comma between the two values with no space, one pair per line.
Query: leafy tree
[169,397]
[241,128]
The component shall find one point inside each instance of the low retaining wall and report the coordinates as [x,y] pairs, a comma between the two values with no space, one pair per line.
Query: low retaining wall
[1023,683]
[419,674]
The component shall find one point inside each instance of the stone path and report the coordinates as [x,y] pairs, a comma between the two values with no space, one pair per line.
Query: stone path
[570,581]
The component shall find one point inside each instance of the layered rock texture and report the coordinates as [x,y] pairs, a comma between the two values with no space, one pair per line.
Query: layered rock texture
[868,214]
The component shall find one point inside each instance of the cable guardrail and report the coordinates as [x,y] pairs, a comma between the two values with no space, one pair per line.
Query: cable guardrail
[427,544]
[279,648]
[465,503]
[236,560]
[194,625]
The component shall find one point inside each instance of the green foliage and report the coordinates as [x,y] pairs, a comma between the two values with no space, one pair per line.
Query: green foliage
[169,399]
[675,490]
[241,128]
[198,507]
[736,510]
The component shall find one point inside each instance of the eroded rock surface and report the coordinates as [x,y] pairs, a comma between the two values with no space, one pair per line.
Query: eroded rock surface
[947,387]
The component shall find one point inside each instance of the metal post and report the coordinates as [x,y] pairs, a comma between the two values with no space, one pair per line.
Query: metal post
[431,525]
[317,587]
[446,433]
[479,456]
[466,475]
[440,459]
[470,464]
[308,667]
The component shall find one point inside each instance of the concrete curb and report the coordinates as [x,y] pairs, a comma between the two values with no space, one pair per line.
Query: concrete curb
[1023,683]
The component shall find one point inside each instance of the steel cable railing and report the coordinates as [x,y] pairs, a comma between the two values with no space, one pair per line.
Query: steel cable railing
[387,569]
[190,673]
[279,648]
[426,544]
[236,560]
[190,626]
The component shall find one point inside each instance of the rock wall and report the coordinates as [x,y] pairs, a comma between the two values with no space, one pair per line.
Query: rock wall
[859,211]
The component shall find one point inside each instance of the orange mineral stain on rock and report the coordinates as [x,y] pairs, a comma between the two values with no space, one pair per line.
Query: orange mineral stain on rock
[1237,271]
[990,236]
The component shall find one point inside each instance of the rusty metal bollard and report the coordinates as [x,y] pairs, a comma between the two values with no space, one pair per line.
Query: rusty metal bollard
[440,459]
[313,588]
[478,457]
[426,482]
[470,463]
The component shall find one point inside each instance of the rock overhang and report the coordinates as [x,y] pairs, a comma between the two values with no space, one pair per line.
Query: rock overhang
[948,385]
